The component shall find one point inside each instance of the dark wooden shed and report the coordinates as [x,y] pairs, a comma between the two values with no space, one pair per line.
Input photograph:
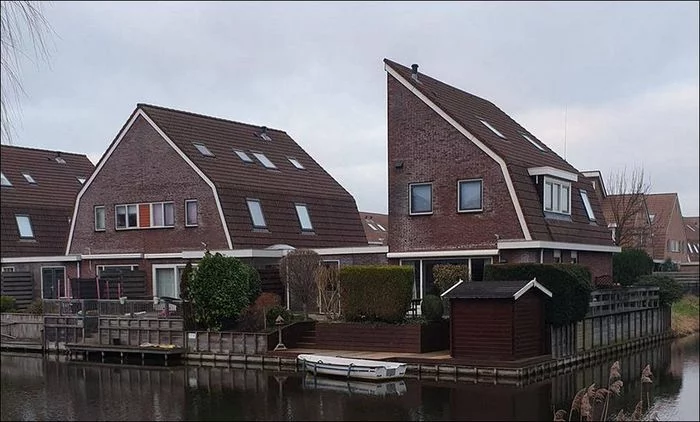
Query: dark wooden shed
[497,320]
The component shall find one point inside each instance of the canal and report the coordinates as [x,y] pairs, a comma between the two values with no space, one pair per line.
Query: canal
[34,388]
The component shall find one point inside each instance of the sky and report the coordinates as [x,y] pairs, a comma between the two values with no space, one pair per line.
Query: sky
[608,85]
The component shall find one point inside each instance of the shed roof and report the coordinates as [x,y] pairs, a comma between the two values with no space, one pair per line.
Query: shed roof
[493,289]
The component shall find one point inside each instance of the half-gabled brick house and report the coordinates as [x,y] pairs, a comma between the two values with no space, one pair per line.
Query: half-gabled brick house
[469,185]
[37,195]
[669,237]
[174,183]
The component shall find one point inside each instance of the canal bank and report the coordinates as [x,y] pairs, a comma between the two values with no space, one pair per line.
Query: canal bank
[685,316]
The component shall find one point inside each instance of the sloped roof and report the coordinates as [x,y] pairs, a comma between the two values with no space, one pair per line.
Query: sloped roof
[692,234]
[332,209]
[661,206]
[519,154]
[376,227]
[639,221]
[48,202]
[494,289]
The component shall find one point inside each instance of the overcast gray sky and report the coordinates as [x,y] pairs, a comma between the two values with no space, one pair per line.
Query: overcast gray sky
[626,74]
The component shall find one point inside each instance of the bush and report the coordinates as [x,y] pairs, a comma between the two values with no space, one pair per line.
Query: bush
[670,290]
[570,285]
[7,303]
[252,318]
[668,266]
[276,311]
[36,307]
[630,264]
[431,308]
[447,275]
[219,291]
[254,285]
[376,293]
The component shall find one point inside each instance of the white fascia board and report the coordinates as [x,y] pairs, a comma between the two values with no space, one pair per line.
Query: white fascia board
[452,288]
[175,255]
[542,244]
[443,254]
[532,283]
[359,250]
[38,259]
[551,171]
[473,139]
[236,253]
[114,256]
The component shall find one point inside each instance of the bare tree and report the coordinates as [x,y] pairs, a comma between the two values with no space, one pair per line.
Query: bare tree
[21,23]
[297,270]
[627,205]
[328,285]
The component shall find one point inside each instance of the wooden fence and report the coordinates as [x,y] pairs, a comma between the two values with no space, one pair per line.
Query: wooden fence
[19,285]
[22,327]
[689,280]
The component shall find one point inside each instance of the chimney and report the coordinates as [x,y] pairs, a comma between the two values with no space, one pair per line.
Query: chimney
[414,71]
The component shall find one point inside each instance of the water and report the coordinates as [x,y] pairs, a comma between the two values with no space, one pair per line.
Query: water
[34,388]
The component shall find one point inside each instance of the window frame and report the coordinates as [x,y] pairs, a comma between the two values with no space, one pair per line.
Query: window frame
[296,163]
[297,206]
[410,198]
[459,195]
[243,156]
[8,269]
[66,282]
[161,205]
[4,181]
[31,226]
[532,141]
[587,204]
[127,226]
[188,223]
[560,184]
[100,268]
[492,128]
[177,268]
[104,218]
[262,161]
[204,150]
[248,202]
[29,178]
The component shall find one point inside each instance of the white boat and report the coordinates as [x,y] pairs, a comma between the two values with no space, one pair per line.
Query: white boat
[352,368]
[376,388]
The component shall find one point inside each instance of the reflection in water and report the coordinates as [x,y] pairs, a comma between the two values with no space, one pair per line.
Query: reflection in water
[38,389]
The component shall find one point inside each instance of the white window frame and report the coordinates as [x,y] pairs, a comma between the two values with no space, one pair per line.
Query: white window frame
[587,204]
[410,198]
[556,254]
[206,152]
[81,180]
[459,195]
[574,257]
[493,129]
[380,227]
[8,269]
[31,226]
[296,163]
[188,223]
[243,156]
[558,187]
[60,160]
[161,205]
[66,282]
[266,162]
[127,226]
[299,206]
[104,218]
[28,177]
[175,267]
[248,201]
[4,180]
[99,268]
[532,141]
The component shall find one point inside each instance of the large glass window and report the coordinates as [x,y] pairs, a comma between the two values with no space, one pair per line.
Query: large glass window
[421,198]
[470,195]
[304,218]
[557,196]
[166,285]
[256,214]
[99,218]
[24,225]
[54,283]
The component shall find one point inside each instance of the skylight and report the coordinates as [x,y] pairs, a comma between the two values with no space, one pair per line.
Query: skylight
[24,225]
[380,227]
[493,129]
[243,156]
[587,205]
[296,163]
[256,213]
[5,180]
[60,160]
[690,248]
[687,225]
[29,178]
[532,141]
[264,160]
[371,226]
[265,136]
[203,150]
[81,180]
[304,219]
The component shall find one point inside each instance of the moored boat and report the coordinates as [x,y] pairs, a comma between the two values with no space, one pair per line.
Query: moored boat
[352,368]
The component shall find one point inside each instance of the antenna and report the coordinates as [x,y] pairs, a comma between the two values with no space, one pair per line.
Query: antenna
[566,109]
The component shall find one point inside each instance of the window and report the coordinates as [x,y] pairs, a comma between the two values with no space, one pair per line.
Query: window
[99,218]
[532,141]
[166,279]
[380,227]
[421,198]
[256,214]
[81,180]
[265,136]
[162,214]
[60,160]
[4,180]
[557,197]
[8,269]
[587,205]
[371,226]
[127,217]
[29,178]
[101,269]
[203,150]
[24,225]
[469,195]
[304,218]
[674,246]
[54,283]
[191,213]
[296,163]
[574,257]
[557,256]
[493,129]
[243,156]
[264,160]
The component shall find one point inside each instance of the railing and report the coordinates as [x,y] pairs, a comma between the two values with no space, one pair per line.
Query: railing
[613,301]
[161,308]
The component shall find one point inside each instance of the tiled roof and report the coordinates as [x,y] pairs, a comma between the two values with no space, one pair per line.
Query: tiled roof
[376,227]
[661,206]
[48,202]
[332,209]
[692,234]
[519,154]
[637,224]
[487,289]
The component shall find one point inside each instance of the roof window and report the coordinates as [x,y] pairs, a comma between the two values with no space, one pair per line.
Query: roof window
[296,163]
[60,160]
[493,129]
[81,180]
[540,147]
[264,160]
[371,226]
[203,150]
[243,156]
[29,178]
[587,205]
[380,227]
[264,134]
[5,180]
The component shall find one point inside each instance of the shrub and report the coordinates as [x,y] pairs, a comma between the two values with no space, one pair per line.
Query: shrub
[254,285]
[219,291]
[670,290]
[447,275]
[7,303]
[276,311]
[431,308]
[570,285]
[668,266]
[252,318]
[297,270]
[376,293]
[630,264]
[36,307]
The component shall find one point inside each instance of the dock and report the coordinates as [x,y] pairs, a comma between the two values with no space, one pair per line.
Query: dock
[124,353]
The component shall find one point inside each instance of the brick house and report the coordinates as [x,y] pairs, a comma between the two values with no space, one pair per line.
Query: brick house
[668,227]
[174,183]
[692,235]
[629,220]
[376,227]
[37,195]
[469,185]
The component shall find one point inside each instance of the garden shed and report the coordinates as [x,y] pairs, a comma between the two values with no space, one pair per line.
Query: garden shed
[497,320]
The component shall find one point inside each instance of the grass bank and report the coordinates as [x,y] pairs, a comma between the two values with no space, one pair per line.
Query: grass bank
[685,316]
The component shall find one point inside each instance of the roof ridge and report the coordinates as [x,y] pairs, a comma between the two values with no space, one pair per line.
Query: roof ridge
[45,150]
[190,113]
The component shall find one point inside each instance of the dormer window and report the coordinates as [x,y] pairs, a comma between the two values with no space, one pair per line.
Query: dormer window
[4,180]
[29,178]
[557,196]
[203,150]
[493,129]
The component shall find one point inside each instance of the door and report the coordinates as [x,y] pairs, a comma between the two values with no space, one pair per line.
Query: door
[53,282]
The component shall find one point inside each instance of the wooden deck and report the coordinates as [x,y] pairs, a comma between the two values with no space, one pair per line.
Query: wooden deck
[124,353]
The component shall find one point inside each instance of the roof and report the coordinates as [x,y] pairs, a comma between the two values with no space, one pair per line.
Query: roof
[494,289]
[661,206]
[48,202]
[692,235]
[332,209]
[519,154]
[376,227]
[619,210]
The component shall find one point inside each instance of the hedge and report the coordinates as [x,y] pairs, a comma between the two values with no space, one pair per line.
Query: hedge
[670,290]
[376,293]
[447,275]
[570,285]
[631,264]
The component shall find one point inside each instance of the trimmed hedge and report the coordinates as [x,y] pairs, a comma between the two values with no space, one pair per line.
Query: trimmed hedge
[631,264]
[570,285]
[447,275]
[431,308]
[669,289]
[376,293]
